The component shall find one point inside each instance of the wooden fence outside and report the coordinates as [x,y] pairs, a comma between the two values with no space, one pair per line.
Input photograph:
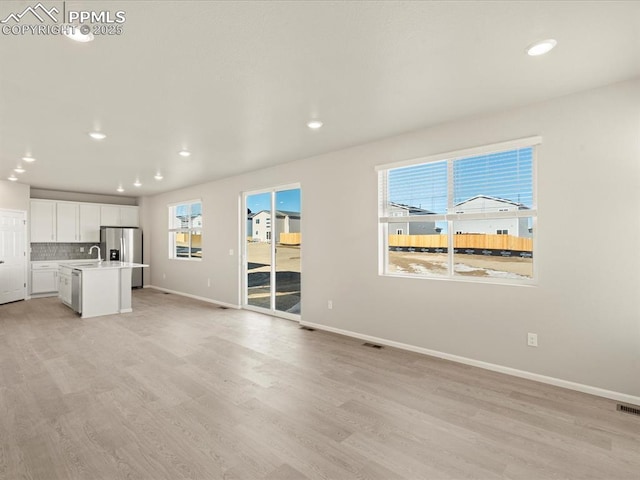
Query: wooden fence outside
[418,241]
[290,238]
[476,241]
[182,240]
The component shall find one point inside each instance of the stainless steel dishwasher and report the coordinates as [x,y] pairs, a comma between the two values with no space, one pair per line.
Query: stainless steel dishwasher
[76,290]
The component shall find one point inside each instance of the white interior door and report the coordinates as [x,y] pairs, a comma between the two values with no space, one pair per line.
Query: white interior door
[13,259]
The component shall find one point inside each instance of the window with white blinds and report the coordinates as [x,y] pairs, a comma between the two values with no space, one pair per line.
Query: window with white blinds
[466,215]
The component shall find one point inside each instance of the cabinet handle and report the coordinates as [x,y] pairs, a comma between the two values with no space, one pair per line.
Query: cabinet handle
[1,261]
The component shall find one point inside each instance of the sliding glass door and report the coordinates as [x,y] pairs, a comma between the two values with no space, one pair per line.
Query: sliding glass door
[272,242]
[287,251]
[258,253]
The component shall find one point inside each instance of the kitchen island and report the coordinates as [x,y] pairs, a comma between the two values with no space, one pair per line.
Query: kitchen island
[97,288]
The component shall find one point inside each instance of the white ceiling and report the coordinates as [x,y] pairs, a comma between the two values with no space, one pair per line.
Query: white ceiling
[236,82]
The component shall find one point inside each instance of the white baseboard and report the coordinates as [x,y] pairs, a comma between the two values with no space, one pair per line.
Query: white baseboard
[41,295]
[204,299]
[287,316]
[600,392]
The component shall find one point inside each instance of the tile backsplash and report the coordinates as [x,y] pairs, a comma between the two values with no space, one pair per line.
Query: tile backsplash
[61,251]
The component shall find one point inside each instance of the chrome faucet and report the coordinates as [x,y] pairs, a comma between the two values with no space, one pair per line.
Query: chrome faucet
[99,256]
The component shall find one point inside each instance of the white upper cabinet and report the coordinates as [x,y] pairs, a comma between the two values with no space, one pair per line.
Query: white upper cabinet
[129,216]
[119,216]
[110,216]
[89,222]
[67,225]
[78,222]
[43,221]
[74,222]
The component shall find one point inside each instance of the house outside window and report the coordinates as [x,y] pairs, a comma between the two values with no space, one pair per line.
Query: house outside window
[185,230]
[466,215]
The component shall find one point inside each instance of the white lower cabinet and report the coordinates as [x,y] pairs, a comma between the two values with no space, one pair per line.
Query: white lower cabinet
[65,285]
[44,278]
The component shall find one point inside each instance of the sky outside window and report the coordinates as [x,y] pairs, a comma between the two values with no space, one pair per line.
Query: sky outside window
[286,200]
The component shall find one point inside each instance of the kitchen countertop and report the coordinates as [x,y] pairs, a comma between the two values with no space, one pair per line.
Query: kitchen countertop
[99,288]
[70,262]
[88,266]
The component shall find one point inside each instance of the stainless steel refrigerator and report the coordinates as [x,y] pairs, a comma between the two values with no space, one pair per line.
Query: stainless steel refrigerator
[124,245]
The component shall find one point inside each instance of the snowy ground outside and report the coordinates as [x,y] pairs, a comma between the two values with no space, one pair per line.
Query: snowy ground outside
[465,265]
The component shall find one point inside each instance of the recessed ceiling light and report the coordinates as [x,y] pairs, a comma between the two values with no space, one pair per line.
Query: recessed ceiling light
[80,33]
[97,135]
[158,176]
[314,124]
[13,178]
[541,47]
[19,169]
[28,159]
[120,189]
[184,153]
[137,183]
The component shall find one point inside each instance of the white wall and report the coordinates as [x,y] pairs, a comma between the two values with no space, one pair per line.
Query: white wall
[14,196]
[144,214]
[585,308]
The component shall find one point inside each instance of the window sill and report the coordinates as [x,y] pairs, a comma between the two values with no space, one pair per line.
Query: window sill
[488,281]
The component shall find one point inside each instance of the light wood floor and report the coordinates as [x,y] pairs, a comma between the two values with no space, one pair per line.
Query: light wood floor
[183,389]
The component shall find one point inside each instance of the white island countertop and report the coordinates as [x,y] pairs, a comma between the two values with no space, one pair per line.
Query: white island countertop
[101,265]
[104,287]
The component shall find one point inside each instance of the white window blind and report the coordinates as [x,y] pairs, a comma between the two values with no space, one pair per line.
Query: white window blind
[469,214]
[503,175]
[420,187]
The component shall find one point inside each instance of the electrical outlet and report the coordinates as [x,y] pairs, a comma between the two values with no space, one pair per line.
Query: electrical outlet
[164,276]
[532,339]
[81,249]
[330,304]
[208,282]
[231,252]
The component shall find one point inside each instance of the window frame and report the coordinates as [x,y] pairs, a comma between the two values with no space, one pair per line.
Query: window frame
[385,219]
[190,229]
